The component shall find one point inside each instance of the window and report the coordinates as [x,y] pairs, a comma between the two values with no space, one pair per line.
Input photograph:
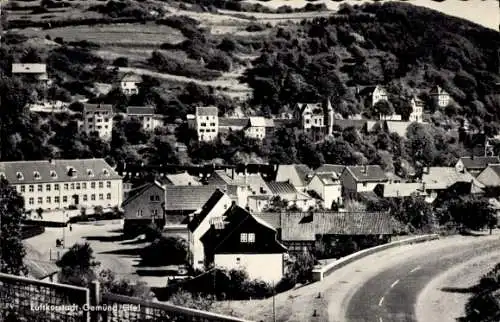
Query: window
[32,201]
[92,197]
[203,124]
[84,197]
[101,196]
[244,238]
[65,198]
[152,198]
[106,172]
[84,185]
[92,185]
[47,187]
[56,199]
[247,238]
[23,188]
[251,238]
[66,186]
[19,176]
[157,198]
[31,188]
[90,173]
[139,213]
[212,124]
[40,188]
[56,186]
[48,199]
[101,184]
[72,186]
[108,196]
[53,174]
[364,184]
[108,184]
[40,200]
[78,186]
[36,175]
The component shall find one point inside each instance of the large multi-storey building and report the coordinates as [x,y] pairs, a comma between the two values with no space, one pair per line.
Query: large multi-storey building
[63,184]
[205,122]
[98,118]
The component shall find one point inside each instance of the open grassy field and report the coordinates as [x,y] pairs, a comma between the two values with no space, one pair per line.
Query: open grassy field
[114,35]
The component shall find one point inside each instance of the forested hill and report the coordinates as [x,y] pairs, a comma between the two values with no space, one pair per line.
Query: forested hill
[406,47]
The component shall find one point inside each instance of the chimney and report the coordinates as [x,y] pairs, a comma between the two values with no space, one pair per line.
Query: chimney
[363,169]
[191,217]
[52,161]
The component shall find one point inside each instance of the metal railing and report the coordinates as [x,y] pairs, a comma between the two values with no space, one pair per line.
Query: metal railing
[24,299]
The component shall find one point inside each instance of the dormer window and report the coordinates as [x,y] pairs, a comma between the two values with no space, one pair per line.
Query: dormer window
[36,175]
[90,173]
[53,174]
[2,175]
[19,176]
[71,172]
[106,172]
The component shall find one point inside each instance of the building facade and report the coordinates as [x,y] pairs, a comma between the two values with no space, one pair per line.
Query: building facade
[379,94]
[64,184]
[362,178]
[329,187]
[146,115]
[205,122]
[128,84]
[441,96]
[417,110]
[98,118]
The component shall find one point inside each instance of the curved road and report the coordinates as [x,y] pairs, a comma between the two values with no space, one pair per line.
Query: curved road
[392,293]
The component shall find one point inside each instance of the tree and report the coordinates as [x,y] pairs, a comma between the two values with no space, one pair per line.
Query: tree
[187,299]
[276,204]
[471,212]
[121,62]
[12,251]
[77,265]
[109,284]
[383,108]
[176,248]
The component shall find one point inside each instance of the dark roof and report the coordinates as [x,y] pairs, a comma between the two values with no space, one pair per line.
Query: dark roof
[272,218]
[230,122]
[207,207]
[134,193]
[45,171]
[40,269]
[229,223]
[97,107]
[305,226]
[140,110]
[277,188]
[357,124]
[330,168]
[479,162]
[187,197]
[369,173]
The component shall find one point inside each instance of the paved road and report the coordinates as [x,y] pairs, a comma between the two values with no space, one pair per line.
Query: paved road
[391,294]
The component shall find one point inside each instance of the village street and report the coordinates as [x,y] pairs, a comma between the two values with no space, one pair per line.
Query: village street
[110,248]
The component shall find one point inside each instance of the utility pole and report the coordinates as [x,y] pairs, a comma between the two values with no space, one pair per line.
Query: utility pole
[274,304]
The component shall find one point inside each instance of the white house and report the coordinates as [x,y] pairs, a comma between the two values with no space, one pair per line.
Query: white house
[441,96]
[205,122]
[146,115]
[128,84]
[239,240]
[417,110]
[61,184]
[362,178]
[199,224]
[328,186]
[379,94]
[256,128]
[98,118]
[298,175]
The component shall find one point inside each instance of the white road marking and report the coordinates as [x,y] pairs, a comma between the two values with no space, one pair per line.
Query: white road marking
[415,269]
[381,301]
[394,284]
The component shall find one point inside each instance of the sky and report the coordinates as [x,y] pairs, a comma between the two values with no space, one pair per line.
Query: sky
[483,12]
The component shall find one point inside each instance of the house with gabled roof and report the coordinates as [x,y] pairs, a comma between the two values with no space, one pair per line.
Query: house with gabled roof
[228,124]
[441,96]
[143,206]
[181,179]
[315,118]
[436,180]
[129,84]
[328,187]
[249,184]
[259,127]
[239,240]
[298,175]
[303,232]
[199,224]
[146,115]
[330,168]
[417,110]
[362,178]
[98,118]
[205,122]
[490,178]
[476,164]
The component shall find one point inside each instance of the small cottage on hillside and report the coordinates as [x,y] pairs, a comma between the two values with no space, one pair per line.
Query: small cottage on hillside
[239,240]
[441,96]
[362,178]
[146,115]
[129,84]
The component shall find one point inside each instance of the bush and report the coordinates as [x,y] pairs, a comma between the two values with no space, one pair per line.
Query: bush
[121,62]
[174,252]
[255,27]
